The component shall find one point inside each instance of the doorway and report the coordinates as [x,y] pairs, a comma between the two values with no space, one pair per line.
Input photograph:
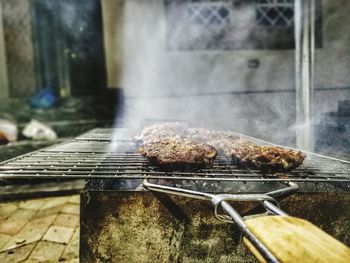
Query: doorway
[68,41]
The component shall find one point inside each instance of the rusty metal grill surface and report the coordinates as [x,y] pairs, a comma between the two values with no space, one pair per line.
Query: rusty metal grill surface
[95,155]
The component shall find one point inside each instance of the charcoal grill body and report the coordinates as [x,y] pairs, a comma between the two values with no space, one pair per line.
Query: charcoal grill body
[140,226]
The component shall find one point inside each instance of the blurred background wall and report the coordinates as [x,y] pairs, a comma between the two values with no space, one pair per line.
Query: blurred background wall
[19,47]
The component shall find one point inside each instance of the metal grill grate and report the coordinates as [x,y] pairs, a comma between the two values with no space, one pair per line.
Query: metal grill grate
[101,160]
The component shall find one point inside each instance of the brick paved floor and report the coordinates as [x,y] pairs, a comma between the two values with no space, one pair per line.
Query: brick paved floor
[40,230]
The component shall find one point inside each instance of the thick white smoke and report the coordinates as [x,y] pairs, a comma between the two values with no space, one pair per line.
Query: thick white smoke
[213,88]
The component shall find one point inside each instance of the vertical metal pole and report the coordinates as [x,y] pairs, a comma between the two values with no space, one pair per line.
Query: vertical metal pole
[304,71]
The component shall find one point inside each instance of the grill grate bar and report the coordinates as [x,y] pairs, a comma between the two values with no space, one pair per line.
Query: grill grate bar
[117,171]
[191,178]
[138,164]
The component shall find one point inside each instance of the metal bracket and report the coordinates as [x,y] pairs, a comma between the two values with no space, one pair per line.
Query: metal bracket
[218,199]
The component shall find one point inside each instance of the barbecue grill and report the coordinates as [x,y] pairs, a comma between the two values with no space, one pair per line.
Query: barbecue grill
[122,221]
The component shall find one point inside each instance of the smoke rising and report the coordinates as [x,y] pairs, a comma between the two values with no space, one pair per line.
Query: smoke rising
[177,74]
[212,88]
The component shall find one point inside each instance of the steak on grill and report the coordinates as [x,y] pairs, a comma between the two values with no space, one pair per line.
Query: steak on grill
[158,131]
[222,141]
[178,153]
[172,145]
[267,158]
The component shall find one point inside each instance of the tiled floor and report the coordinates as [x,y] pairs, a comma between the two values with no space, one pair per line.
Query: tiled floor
[40,230]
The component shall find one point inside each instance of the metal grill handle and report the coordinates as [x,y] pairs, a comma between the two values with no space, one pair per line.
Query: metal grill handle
[220,200]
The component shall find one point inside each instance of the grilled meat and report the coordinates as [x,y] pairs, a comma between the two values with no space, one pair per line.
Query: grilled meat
[224,146]
[267,158]
[178,153]
[158,131]
[173,146]
[223,142]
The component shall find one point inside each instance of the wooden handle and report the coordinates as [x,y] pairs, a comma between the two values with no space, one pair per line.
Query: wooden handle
[293,240]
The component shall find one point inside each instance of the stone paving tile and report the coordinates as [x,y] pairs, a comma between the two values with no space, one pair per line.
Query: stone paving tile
[71,209]
[7,209]
[35,204]
[24,225]
[59,234]
[75,199]
[52,202]
[68,220]
[72,250]
[16,255]
[31,232]
[47,252]
[11,227]
[16,221]
[4,239]
[49,211]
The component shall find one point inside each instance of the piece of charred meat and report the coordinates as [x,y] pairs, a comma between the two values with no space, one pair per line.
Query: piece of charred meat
[158,131]
[224,146]
[178,153]
[267,158]
[222,141]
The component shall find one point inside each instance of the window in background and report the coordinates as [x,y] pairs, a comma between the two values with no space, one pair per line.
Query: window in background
[233,24]
[216,14]
[194,25]
[275,13]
